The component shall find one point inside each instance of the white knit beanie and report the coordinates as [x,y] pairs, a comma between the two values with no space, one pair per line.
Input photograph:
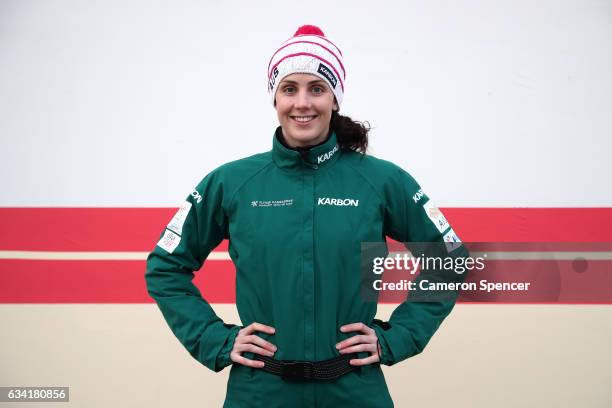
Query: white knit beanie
[308,52]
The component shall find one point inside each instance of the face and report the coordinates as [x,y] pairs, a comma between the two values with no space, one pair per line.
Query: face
[304,104]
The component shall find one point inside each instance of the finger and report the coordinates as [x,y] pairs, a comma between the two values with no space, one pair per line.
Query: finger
[260,342]
[364,361]
[254,349]
[246,362]
[253,327]
[358,326]
[353,340]
[359,348]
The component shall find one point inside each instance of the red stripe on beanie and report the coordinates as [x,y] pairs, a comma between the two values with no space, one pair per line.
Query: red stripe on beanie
[316,31]
[325,39]
[310,42]
[312,55]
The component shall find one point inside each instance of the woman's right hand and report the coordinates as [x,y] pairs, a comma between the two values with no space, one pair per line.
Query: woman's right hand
[246,341]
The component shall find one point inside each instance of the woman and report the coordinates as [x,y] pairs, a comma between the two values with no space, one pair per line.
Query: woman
[295,218]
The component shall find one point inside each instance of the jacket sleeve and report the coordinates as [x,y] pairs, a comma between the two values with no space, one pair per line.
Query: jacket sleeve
[195,230]
[410,216]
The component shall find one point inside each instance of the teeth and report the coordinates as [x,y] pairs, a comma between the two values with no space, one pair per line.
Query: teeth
[303,118]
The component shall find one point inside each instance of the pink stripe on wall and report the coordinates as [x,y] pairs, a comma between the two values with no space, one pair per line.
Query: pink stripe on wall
[83,229]
[138,230]
[531,224]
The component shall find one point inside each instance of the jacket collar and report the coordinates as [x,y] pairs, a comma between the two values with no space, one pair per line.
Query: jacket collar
[314,157]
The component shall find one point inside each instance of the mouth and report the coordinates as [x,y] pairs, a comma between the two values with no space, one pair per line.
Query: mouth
[302,120]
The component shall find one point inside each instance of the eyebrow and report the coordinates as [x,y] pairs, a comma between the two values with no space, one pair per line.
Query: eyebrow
[314,81]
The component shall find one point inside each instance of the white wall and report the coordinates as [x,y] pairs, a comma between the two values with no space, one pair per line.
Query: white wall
[130,103]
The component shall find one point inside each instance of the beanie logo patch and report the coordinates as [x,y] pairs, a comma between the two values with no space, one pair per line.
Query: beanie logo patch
[326,72]
[273,78]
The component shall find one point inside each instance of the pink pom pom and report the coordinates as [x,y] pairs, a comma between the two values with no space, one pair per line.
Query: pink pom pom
[309,30]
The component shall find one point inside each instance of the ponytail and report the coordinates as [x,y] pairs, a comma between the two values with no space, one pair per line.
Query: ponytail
[351,135]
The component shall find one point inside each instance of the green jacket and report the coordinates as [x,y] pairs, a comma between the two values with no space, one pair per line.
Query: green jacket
[295,222]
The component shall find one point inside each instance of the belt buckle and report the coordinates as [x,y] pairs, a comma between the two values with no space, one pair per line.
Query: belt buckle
[296,370]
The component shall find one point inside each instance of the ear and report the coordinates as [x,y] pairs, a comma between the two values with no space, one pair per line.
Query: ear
[335,107]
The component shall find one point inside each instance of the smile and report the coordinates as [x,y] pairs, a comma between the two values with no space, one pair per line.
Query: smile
[303,119]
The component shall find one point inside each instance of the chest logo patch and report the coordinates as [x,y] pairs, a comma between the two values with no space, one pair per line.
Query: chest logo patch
[272,203]
[339,202]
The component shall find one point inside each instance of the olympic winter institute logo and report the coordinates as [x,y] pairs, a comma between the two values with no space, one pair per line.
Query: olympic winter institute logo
[271,203]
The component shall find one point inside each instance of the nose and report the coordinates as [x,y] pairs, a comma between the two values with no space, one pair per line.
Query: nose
[302,100]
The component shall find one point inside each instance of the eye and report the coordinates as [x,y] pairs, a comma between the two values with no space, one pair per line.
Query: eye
[318,89]
[289,89]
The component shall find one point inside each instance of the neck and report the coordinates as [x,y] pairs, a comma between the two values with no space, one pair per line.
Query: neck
[283,140]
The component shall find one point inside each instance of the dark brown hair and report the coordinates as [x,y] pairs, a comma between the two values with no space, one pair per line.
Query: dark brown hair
[351,135]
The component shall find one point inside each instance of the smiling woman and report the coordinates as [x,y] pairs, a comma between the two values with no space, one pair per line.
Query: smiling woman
[304,105]
[295,233]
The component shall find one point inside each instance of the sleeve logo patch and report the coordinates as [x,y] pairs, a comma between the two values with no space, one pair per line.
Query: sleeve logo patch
[436,216]
[177,222]
[169,241]
[196,196]
[417,196]
[451,241]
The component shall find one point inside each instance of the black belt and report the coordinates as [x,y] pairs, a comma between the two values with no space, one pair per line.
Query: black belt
[308,370]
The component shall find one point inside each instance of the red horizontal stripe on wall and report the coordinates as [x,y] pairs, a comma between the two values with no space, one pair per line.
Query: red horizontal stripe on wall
[83,229]
[100,282]
[531,224]
[138,229]
[554,282]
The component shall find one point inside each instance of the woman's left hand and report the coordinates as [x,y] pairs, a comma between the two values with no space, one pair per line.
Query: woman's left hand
[367,341]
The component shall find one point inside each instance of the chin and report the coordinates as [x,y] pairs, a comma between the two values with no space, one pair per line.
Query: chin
[306,138]
[303,135]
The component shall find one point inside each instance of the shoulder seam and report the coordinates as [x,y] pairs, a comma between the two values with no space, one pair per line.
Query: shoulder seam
[380,198]
[231,200]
